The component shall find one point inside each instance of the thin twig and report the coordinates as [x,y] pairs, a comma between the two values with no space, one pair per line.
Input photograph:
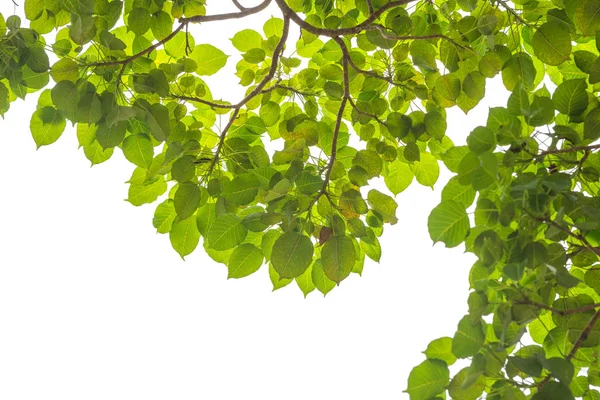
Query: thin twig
[338,125]
[513,12]
[584,335]
[359,111]
[388,36]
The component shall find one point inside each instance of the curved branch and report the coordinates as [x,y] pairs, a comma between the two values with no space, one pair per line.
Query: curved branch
[333,33]
[569,150]
[589,307]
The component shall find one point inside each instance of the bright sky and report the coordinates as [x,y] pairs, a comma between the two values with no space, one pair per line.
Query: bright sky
[95,304]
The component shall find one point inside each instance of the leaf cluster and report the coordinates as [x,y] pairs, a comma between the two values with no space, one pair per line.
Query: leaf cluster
[287,180]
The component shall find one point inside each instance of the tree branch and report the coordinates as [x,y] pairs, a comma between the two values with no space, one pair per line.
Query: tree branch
[338,124]
[257,90]
[584,335]
[388,36]
[333,33]
[359,111]
[374,74]
[583,240]
[244,12]
[589,307]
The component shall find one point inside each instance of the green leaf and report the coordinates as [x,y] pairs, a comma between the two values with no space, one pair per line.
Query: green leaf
[308,183]
[164,216]
[468,338]
[138,20]
[448,223]
[552,43]
[270,113]
[456,191]
[47,125]
[560,368]
[570,97]
[226,232]
[161,25]
[428,379]
[435,125]
[305,281]
[157,119]
[292,254]
[441,349]
[65,96]
[276,280]
[111,136]
[95,153]
[184,236]
[554,391]
[447,88]
[208,58]
[338,257]
[246,259]
[427,170]
[384,205]
[481,139]
[187,200]
[369,161]
[138,150]
[399,176]
[247,39]
[241,190]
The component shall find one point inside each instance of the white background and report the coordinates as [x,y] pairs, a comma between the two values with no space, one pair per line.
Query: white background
[94,304]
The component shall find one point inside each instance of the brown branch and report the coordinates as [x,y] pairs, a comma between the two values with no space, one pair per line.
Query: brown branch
[569,150]
[338,125]
[182,23]
[244,12]
[127,60]
[333,33]
[370,5]
[589,307]
[203,101]
[257,90]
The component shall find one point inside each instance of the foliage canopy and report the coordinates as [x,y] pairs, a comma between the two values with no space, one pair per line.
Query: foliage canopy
[361,94]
